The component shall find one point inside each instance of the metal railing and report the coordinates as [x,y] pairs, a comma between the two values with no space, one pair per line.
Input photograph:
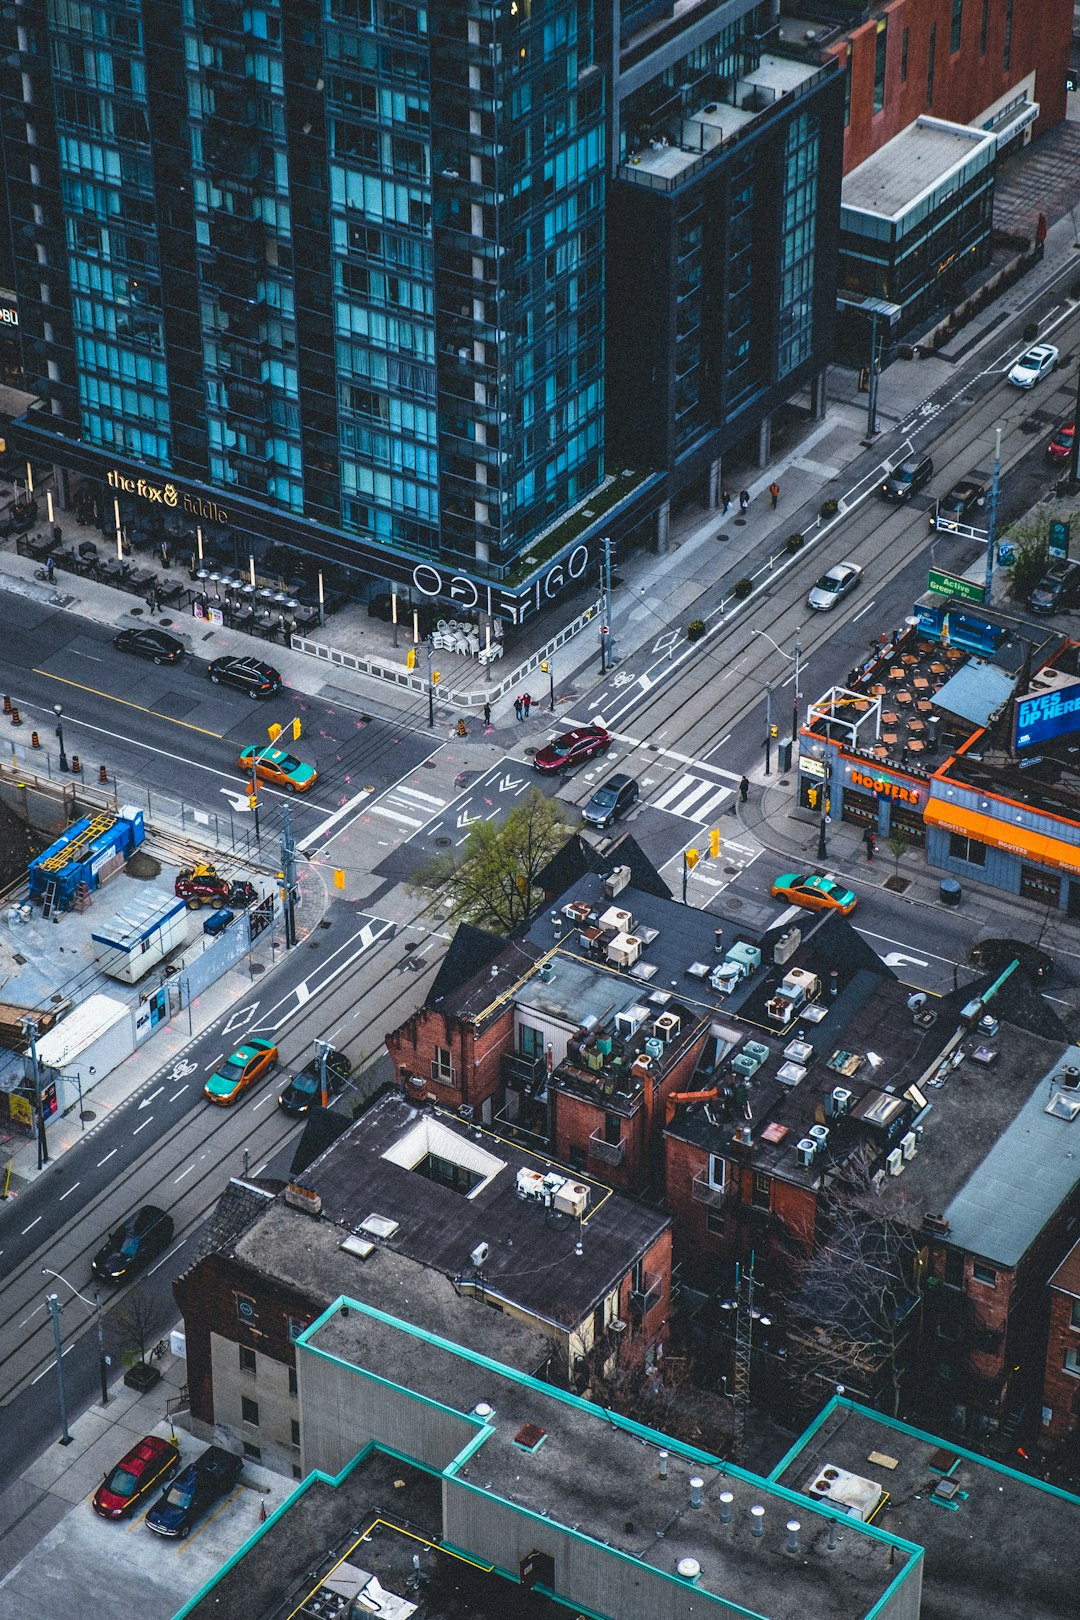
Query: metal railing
[705,1192]
[646,1298]
[607,1152]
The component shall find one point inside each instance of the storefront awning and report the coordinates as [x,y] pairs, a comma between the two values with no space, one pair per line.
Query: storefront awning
[1030,846]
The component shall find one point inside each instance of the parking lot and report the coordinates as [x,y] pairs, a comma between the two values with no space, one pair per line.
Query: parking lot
[85,1565]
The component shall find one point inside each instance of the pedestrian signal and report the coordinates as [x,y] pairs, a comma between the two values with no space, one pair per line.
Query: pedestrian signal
[691,857]
[252,801]
[410,658]
[774,731]
[435,677]
[544,666]
[714,842]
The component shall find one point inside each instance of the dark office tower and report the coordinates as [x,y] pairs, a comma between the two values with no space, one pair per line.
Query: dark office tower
[404,289]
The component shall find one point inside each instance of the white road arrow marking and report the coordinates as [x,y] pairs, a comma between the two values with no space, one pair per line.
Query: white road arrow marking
[148,1100]
[465,820]
[237,801]
[898,959]
[507,783]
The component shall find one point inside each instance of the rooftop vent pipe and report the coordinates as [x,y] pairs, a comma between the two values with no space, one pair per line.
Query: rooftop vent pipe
[793,1528]
[758,1515]
[726,1499]
[697,1484]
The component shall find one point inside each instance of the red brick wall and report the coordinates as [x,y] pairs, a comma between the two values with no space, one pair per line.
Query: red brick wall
[964,83]
[653,1329]
[789,1222]
[475,1057]
[1061,1389]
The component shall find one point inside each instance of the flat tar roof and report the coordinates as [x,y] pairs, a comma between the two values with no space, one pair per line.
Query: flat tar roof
[921,157]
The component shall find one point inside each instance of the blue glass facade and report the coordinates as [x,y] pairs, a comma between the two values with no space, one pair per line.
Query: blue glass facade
[343,269]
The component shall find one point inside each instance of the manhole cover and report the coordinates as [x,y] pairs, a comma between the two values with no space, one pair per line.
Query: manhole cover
[324,922]
[365,719]
[136,613]
[735,905]
[257,967]
[164,621]
[87,1115]
[740,523]
[785,781]
[442,842]
[57,999]
[722,537]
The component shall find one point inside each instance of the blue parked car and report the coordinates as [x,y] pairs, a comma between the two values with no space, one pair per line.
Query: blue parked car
[194,1490]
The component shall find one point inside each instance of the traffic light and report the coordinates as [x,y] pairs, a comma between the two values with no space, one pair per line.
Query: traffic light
[410,658]
[691,857]
[812,797]
[252,801]
[544,666]
[339,877]
[714,842]
[296,731]
[273,732]
[435,677]
[774,731]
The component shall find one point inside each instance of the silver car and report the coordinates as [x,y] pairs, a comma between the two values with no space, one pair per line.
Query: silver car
[839,580]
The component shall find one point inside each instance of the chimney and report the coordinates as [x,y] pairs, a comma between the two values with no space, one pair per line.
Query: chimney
[757,1513]
[697,1485]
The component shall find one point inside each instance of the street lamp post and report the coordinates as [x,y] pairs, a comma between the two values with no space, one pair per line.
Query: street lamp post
[826,803]
[103,1360]
[792,658]
[58,710]
[53,1303]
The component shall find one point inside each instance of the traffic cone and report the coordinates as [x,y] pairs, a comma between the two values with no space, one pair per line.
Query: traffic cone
[103,775]
[7,704]
[76,766]
[35,741]
[16,717]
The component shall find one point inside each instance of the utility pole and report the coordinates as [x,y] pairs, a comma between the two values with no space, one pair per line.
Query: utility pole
[795,704]
[53,1302]
[607,638]
[288,872]
[991,531]
[30,1029]
[430,690]
[103,1360]
[744,1338]
[871,397]
[321,1048]
[826,803]
[768,728]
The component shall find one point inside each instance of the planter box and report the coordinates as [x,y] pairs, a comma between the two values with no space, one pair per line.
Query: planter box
[142,1377]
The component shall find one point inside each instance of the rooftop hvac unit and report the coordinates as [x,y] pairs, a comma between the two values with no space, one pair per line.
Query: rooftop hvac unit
[667,1026]
[530,1184]
[805,1151]
[629,1022]
[572,1198]
[877,1180]
[617,882]
[808,982]
[786,946]
[837,1102]
[547,972]
[742,952]
[1068,1078]
[820,1136]
[894,1162]
[778,1009]
[617,1326]
[725,977]
[618,920]
[907,1144]
[654,1047]
[624,950]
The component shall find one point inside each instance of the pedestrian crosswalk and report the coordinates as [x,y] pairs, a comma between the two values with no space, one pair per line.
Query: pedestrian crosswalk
[693,798]
[408,806]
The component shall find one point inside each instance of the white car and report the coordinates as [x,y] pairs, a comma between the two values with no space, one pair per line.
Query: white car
[1033,365]
[832,586]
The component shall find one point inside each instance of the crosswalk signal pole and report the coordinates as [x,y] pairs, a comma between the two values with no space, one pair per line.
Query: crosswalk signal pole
[288,872]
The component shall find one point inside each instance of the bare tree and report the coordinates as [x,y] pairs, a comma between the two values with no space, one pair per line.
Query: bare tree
[135,1321]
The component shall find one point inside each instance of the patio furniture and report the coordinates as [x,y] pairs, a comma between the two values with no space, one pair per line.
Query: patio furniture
[889,738]
[921,684]
[902,697]
[924,705]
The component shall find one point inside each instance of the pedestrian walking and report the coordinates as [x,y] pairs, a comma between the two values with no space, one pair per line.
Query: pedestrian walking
[871,843]
[50,571]
[526,703]
[164,550]
[487,714]
[774,493]
[725,498]
[519,709]
[151,602]
[744,500]
[744,789]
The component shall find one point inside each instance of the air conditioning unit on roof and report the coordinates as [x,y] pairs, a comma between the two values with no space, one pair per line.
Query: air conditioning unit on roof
[894,1162]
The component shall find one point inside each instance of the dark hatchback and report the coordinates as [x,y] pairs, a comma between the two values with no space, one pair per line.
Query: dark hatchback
[906,477]
[147,642]
[194,1491]
[618,795]
[1058,589]
[965,497]
[248,675]
[141,1238]
[994,955]
[304,1090]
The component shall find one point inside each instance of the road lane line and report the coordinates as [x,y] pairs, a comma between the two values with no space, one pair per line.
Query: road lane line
[143,1126]
[30,1228]
[174,1250]
[127,704]
[179,1093]
[182,1174]
[69,1192]
[855,617]
[106,1159]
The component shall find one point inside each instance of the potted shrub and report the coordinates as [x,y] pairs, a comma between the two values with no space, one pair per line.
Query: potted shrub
[793,542]
[695,629]
[742,588]
[829,508]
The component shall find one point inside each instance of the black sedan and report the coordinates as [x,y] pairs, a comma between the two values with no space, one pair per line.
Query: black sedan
[905,477]
[148,642]
[141,1238]
[248,675]
[994,955]
[305,1090]
[194,1491]
[618,795]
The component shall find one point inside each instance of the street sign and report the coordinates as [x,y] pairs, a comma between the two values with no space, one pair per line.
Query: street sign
[1057,538]
[951,585]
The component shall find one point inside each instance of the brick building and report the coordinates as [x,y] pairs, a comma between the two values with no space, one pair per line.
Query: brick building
[1061,1381]
[423,1217]
[997,64]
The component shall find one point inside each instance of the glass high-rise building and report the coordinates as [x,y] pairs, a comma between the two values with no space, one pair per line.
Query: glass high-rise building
[435,293]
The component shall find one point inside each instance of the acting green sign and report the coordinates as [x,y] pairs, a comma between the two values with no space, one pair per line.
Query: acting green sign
[949,585]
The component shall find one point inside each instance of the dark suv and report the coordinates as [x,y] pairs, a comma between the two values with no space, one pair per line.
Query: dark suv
[304,1091]
[1058,589]
[248,675]
[193,1491]
[906,477]
[618,795]
[965,497]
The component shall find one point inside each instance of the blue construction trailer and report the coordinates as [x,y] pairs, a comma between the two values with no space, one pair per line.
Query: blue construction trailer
[87,853]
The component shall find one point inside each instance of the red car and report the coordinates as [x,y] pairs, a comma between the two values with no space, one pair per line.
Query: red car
[147,1463]
[572,748]
[1060,446]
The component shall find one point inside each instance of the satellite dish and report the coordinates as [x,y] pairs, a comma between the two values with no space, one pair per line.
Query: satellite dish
[917,1002]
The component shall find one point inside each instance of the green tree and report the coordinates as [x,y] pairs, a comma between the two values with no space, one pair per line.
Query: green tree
[491,881]
[898,847]
[1031,540]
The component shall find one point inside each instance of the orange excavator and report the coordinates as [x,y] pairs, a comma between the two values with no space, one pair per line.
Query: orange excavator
[678,1097]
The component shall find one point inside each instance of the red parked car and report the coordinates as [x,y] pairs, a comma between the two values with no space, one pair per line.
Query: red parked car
[147,1463]
[572,748]
[1060,446]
